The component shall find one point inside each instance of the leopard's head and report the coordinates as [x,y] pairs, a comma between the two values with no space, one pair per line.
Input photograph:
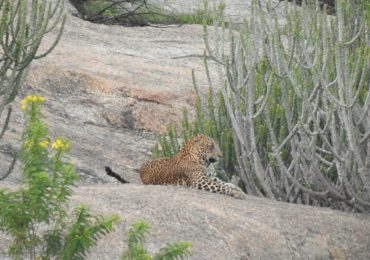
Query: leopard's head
[201,149]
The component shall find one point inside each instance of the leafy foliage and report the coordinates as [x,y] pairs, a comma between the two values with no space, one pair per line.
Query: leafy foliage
[136,250]
[135,242]
[85,232]
[173,251]
[36,215]
[23,24]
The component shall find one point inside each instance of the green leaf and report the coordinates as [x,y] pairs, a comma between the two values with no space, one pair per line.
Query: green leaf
[174,251]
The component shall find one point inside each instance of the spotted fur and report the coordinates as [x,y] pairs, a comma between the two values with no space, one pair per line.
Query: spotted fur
[192,167]
[212,174]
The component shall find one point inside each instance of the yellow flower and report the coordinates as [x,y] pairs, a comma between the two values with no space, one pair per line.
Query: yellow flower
[60,144]
[28,144]
[44,143]
[31,99]
[24,105]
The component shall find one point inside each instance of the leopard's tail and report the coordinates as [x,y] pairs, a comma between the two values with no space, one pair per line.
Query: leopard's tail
[109,171]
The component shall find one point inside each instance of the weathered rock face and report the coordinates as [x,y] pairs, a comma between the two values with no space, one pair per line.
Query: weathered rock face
[221,227]
[108,89]
[134,71]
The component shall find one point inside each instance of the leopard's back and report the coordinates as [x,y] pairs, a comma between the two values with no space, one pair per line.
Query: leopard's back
[167,171]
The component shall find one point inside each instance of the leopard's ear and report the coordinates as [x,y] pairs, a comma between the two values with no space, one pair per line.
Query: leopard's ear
[200,137]
[197,138]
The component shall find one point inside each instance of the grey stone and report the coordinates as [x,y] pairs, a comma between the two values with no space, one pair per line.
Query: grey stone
[109,89]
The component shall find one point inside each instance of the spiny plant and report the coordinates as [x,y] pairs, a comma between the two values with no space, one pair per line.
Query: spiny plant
[296,96]
[36,215]
[136,250]
[23,25]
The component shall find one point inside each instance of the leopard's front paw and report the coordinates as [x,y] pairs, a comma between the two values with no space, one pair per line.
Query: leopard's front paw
[230,185]
[238,193]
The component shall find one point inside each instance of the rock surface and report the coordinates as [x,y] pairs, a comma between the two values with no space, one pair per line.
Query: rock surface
[109,89]
[221,227]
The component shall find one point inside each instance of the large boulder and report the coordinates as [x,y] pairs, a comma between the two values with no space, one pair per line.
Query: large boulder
[109,89]
[221,227]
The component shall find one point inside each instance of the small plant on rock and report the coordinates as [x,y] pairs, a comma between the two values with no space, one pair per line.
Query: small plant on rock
[136,251]
[202,14]
[36,215]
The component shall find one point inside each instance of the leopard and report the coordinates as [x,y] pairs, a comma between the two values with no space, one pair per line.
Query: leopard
[212,174]
[192,166]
